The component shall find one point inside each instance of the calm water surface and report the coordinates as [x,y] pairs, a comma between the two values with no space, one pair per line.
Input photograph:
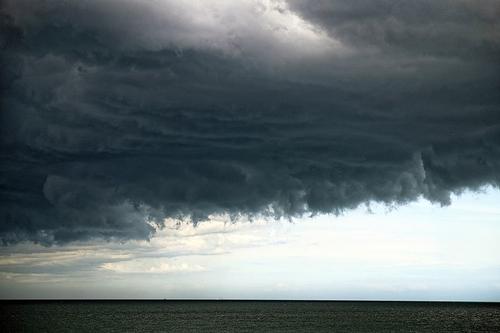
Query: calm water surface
[247,316]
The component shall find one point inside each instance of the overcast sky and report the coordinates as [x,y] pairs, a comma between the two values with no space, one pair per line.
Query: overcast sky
[132,132]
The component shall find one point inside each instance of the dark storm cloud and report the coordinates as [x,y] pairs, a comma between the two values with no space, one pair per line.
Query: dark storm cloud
[450,28]
[111,124]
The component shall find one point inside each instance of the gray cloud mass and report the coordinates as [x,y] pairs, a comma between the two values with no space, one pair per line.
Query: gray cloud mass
[116,116]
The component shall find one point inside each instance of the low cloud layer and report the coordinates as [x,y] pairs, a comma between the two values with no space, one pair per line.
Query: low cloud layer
[182,109]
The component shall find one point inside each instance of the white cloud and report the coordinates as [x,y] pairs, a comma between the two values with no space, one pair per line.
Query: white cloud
[151,267]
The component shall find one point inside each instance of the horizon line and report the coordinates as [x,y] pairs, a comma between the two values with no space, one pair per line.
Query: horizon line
[239,300]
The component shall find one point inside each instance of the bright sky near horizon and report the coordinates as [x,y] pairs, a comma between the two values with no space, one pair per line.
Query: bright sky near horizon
[419,251]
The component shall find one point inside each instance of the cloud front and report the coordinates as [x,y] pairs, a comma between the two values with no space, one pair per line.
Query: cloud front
[117,115]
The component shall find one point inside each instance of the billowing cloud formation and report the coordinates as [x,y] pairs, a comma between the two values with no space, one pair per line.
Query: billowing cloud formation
[119,114]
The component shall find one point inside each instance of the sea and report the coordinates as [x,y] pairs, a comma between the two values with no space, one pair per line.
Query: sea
[247,316]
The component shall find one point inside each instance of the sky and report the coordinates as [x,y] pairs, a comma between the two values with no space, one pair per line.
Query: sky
[229,149]
[416,252]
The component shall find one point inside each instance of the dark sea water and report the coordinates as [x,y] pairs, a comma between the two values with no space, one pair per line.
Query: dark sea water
[247,316]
